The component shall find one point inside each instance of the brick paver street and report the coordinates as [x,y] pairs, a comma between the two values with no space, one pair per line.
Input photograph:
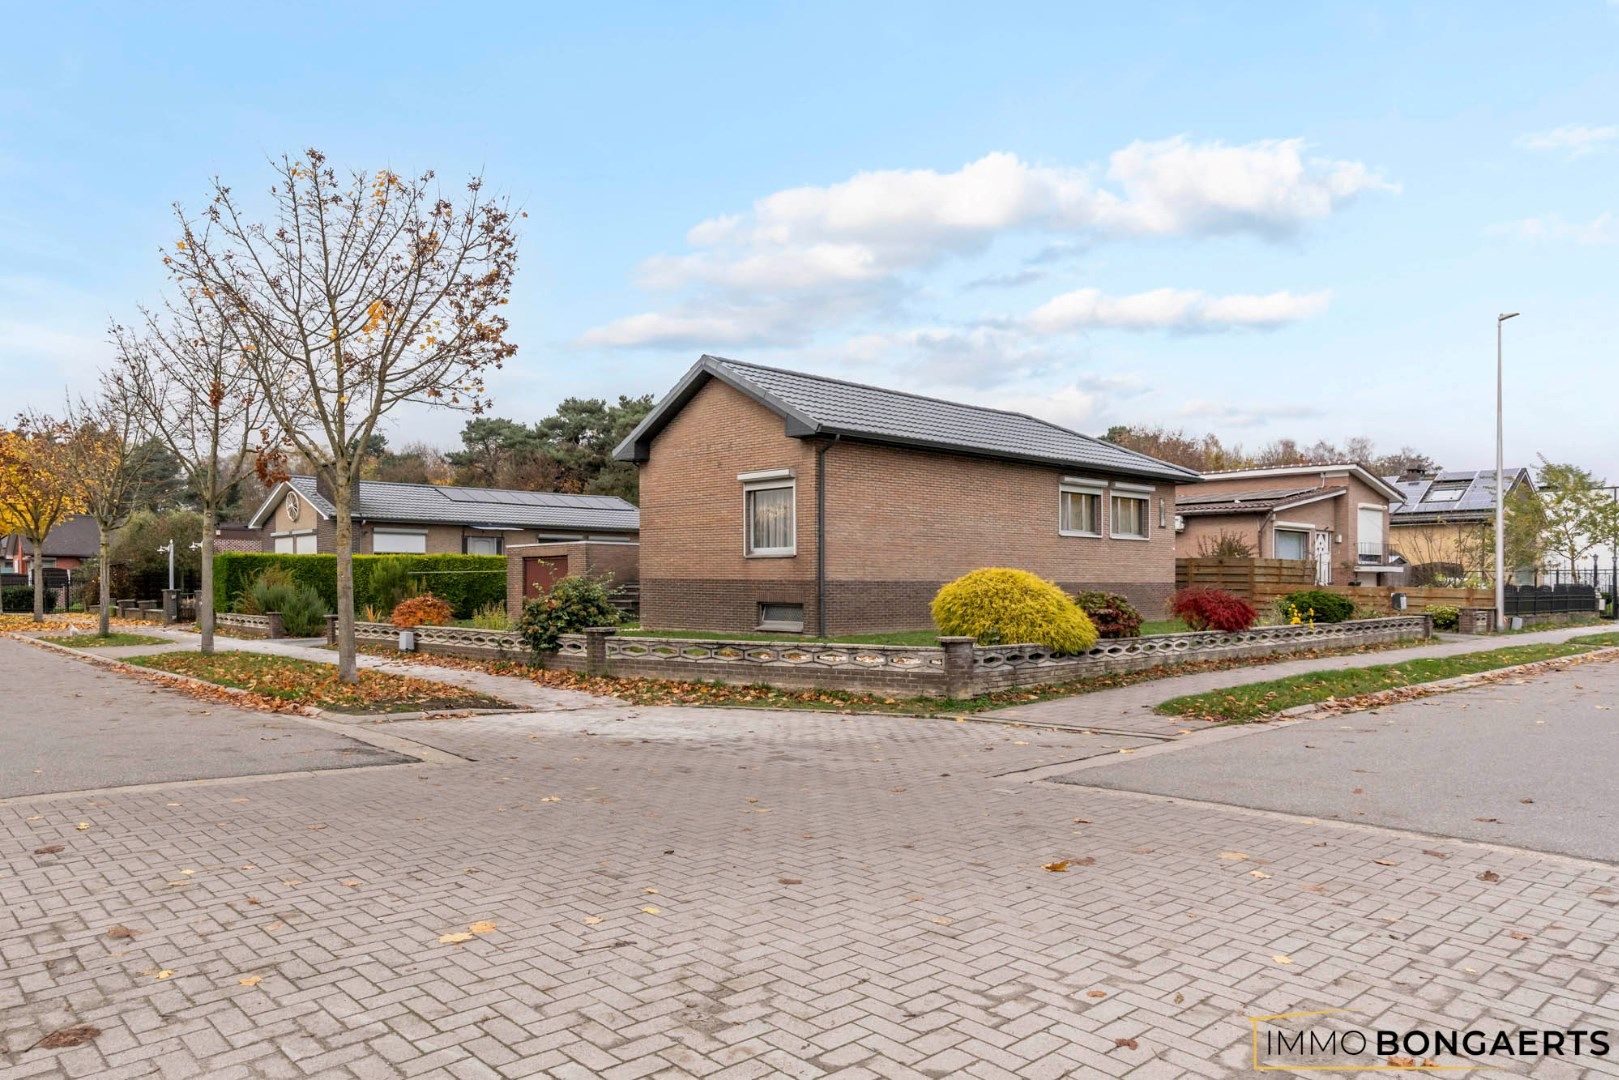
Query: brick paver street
[725,893]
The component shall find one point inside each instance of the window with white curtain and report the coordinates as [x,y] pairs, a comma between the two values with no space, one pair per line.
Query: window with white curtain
[1292,544]
[295,544]
[1081,512]
[398,543]
[483,545]
[1129,514]
[770,528]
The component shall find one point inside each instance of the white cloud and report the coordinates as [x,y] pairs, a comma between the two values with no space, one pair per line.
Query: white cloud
[1247,414]
[1575,140]
[1183,310]
[1602,229]
[1071,406]
[858,240]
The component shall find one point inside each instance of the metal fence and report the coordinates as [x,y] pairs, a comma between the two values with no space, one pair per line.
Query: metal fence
[1572,597]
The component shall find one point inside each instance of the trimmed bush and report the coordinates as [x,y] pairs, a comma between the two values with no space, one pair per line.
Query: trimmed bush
[390,582]
[423,610]
[1212,609]
[1445,617]
[465,582]
[303,611]
[1000,606]
[1111,614]
[20,599]
[572,605]
[1316,605]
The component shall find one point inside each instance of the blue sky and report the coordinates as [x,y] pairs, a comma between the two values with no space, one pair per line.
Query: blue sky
[1261,220]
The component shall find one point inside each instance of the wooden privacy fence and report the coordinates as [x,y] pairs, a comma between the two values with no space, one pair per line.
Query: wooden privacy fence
[1263,580]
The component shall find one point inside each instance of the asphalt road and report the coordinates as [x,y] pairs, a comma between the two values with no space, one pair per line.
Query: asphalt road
[1531,763]
[67,725]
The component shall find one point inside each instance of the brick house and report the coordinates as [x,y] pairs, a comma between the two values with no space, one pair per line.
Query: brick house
[296,518]
[1335,515]
[778,500]
[69,546]
[1444,521]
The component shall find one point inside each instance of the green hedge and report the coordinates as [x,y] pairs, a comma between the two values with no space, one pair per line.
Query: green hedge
[465,582]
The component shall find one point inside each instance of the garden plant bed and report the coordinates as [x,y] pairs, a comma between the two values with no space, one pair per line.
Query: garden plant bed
[1263,699]
[644,691]
[114,640]
[309,682]
[23,623]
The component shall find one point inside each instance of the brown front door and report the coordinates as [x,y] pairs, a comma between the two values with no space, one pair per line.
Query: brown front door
[540,572]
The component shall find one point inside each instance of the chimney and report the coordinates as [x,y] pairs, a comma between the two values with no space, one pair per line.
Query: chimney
[1411,474]
[323,485]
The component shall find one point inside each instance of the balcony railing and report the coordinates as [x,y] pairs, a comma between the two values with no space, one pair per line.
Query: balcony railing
[1378,554]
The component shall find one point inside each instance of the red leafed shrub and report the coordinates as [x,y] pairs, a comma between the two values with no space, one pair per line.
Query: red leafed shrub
[423,610]
[1211,609]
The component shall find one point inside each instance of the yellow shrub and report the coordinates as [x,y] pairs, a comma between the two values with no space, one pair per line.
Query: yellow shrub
[998,606]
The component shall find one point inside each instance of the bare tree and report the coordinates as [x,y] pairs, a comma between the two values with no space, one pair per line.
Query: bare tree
[184,374]
[360,294]
[109,452]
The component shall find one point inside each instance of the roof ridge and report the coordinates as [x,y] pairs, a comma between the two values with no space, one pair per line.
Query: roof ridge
[943,401]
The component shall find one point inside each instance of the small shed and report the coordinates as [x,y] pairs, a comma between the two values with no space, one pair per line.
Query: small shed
[533,568]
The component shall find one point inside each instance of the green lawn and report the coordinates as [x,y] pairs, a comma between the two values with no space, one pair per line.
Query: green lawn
[1255,700]
[110,641]
[309,682]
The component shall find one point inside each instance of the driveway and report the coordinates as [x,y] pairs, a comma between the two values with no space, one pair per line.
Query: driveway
[69,725]
[627,892]
[1532,762]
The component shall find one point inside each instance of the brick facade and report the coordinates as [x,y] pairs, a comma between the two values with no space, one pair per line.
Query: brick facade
[900,522]
[615,560]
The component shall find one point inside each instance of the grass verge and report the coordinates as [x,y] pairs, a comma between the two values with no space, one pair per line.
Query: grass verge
[309,682]
[110,641]
[640,691]
[1262,699]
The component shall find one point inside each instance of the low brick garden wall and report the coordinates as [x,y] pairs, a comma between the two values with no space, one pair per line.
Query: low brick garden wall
[954,668]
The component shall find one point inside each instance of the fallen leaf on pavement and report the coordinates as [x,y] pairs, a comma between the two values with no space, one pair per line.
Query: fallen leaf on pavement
[1233,856]
[1489,820]
[81,826]
[1258,874]
[1179,998]
[1489,875]
[1402,1063]
[592,920]
[789,881]
[49,849]
[317,826]
[1128,1044]
[1385,862]
[943,920]
[1435,854]
[1058,867]
[353,883]
[62,1038]
[454,939]
[251,980]
[1096,993]
[1282,958]
[1311,886]
[161,973]
[120,932]
[483,927]
[649,910]
[1526,802]
[1519,935]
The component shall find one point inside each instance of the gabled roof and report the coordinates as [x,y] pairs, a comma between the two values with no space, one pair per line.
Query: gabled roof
[1198,504]
[78,535]
[431,504]
[817,405]
[1471,495]
[1329,468]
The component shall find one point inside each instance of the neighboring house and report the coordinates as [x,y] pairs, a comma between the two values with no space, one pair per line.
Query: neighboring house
[1443,521]
[1335,515]
[67,547]
[297,518]
[778,500]
[237,536]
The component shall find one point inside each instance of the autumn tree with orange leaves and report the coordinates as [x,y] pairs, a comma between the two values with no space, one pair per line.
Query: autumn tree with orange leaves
[359,293]
[38,488]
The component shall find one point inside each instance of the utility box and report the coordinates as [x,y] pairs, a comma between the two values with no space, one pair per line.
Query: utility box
[1398,601]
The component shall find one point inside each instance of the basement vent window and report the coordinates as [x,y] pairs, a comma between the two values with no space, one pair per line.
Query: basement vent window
[789,617]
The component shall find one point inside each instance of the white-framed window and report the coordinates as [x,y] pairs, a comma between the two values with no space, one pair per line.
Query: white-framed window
[769,514]
[483,545]
[398,542]
[1079,510]
[1292,544]
[295,544]
[1128,513]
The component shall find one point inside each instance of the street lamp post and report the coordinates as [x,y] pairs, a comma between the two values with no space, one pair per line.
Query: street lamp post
[1500,481]
[169,548]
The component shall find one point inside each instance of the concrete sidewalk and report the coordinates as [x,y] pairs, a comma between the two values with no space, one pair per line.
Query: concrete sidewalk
[1128,709]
